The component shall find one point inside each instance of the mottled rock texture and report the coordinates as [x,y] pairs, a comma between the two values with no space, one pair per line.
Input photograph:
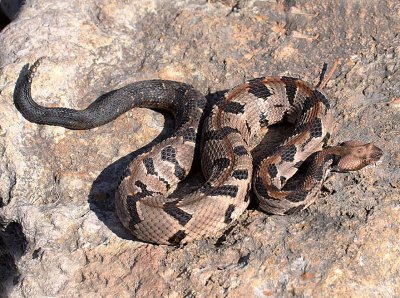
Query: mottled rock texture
[60,236]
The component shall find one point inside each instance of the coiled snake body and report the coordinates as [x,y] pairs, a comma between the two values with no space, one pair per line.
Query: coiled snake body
[142,200]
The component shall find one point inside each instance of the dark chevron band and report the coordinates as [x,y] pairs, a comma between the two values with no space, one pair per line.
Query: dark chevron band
[224,190]
[258,88]
[272,170]
[219,134]
[240,150]
[240,174]
[291,88]
[288,153]
[177,238]
[234,107]
[181,216]
[149,165]
[228,214]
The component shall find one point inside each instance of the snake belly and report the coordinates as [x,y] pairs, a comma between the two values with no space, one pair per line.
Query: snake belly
[143,203]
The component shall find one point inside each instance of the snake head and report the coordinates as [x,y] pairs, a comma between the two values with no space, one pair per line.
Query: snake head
[355,155]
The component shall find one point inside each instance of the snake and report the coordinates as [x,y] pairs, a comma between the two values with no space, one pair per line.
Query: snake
[285,181]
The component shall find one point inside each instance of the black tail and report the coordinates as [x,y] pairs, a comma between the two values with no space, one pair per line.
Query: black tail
[158,94]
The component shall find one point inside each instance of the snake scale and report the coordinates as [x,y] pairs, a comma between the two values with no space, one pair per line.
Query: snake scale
[143,201]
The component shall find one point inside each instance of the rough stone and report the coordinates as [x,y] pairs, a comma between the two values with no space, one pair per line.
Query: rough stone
[60,236]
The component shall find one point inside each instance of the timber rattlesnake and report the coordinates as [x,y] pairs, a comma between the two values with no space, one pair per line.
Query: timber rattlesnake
[142,200]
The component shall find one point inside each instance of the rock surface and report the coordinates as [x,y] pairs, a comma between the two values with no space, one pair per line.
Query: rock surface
[60,235]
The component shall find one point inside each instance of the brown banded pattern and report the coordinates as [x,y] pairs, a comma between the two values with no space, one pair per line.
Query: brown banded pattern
[143,201]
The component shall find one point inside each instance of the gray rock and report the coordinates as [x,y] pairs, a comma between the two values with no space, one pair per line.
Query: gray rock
[57,186]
